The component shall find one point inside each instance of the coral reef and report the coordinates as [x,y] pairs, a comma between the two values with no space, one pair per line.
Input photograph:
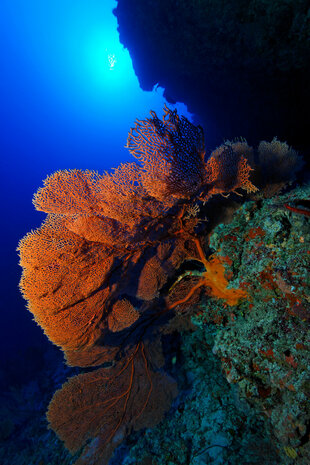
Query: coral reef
[264,346]
[210,424]
[261,347]
[122,262]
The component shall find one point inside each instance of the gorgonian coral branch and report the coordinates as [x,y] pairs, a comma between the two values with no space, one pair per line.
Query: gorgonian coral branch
[171,152]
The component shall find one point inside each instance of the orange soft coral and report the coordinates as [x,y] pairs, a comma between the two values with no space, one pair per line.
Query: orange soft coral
[213,278]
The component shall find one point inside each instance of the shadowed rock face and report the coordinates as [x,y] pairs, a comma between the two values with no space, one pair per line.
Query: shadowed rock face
[242,67]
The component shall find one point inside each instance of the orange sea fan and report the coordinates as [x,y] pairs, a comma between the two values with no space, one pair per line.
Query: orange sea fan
[171,152]
[228,170]
[100,229]
[95,272]
[95,405]
[63,281]
[122,315]
[68,192]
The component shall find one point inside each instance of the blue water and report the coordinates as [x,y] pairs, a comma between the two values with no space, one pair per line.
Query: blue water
[68,96]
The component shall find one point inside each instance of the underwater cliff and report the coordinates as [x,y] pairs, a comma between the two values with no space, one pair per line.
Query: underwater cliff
[243,68]
[169,295]
[164,261]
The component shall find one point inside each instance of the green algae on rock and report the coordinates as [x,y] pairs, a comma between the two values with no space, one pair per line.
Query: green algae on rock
[264,343]
[261,347]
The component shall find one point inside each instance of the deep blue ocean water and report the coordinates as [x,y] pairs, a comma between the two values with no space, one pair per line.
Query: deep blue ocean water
[68,97]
